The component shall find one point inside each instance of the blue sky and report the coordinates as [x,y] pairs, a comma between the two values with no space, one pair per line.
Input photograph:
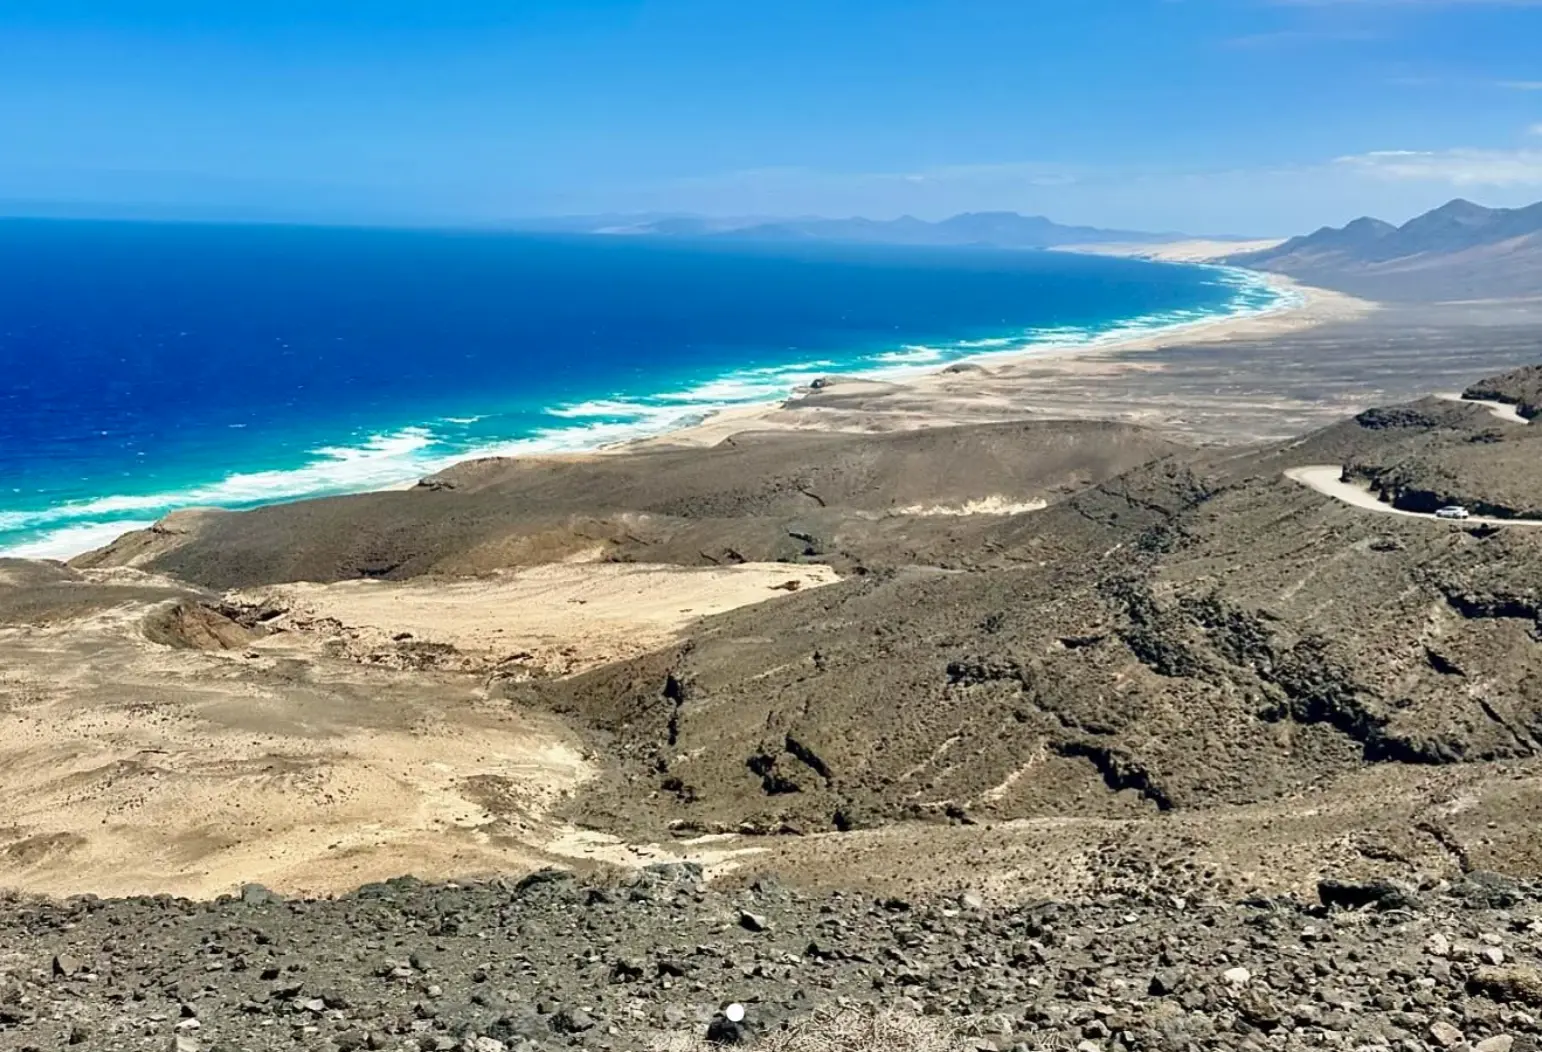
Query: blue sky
[1246,116]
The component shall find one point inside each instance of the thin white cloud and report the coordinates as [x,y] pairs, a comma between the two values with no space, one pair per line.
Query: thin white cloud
[1535,129]
[1521,85]
[1462,167]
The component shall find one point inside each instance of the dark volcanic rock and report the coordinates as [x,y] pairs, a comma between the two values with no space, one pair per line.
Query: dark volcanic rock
[525,970]
[1382,894]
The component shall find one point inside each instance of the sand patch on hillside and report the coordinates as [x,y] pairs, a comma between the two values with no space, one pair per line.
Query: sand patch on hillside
[546,620]
[127,767]
[994,505]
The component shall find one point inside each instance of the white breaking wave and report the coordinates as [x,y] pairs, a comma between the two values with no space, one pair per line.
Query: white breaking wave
[582,438]
[1253,296]
[912,355]
[341,468]
[70,541]
[731,389]
[602,407]
[753,386]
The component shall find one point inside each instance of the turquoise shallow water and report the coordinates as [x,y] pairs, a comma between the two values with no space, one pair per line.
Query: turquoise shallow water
[155,366]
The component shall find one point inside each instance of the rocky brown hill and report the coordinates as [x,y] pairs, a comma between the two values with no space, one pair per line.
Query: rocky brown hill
[1197,632]
[755,497]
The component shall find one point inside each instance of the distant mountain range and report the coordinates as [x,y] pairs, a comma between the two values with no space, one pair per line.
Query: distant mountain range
[1458,251]
[994,229]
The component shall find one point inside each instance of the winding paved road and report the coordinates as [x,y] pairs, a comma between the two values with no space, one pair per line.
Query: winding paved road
[1327,479]
[1503,410]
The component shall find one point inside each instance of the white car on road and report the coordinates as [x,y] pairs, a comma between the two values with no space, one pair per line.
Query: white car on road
[1455,511]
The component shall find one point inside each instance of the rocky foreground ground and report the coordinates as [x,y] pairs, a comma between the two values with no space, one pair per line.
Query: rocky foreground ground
[552,961]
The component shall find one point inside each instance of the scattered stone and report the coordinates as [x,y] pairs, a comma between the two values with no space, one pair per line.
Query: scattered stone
[1501,1043]
[1445,1035]
[485,967]
[1517,984]
[724,1031]
[543,878]
[1354,895]
[625,971]
[257,895]
[576,1021]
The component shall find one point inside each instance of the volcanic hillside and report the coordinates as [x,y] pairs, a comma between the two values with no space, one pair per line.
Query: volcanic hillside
[1196,632]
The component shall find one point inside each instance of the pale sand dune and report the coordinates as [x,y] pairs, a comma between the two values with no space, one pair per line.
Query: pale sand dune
[131,767]
[1194,250]
[556,619]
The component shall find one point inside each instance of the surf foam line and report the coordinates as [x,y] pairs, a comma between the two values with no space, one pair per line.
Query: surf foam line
[393,458]
[70,541]
[1254,295]
[381,461]
[377,461]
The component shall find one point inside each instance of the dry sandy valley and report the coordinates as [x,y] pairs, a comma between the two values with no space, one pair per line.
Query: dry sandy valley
[350,740]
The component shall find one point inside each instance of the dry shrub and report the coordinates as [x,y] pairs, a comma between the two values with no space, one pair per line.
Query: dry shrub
[849,1031]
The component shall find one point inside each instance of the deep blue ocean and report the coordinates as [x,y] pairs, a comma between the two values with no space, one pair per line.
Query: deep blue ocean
[146,367]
